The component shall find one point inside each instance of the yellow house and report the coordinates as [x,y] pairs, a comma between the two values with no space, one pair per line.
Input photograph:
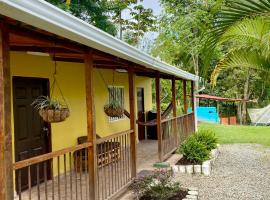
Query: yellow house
[89,155]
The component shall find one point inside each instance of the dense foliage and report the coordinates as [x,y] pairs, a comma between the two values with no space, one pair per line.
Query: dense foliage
[207,138]
[224,41]
[194,150]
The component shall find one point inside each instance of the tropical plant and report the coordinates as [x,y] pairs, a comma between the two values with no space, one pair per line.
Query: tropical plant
[194,150]
[207,137]
[45,103]
[51,109]
[243,28]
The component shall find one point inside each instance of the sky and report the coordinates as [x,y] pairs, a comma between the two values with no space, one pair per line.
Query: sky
[153,4]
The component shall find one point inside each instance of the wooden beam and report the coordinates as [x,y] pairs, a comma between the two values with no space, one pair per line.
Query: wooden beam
[132,119]
[91,129]
[158,105]
[51,41]
[6,172]
[174,97]
[185,96]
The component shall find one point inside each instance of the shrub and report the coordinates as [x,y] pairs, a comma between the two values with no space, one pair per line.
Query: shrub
[208,138]
[157,186]
[193,150]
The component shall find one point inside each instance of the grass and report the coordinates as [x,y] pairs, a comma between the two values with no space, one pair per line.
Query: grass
[240,134]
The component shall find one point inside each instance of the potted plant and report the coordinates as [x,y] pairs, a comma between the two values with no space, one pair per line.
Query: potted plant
[51,110]
[115,106]
[114,109]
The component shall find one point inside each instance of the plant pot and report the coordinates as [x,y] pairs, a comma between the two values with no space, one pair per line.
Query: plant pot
[53,116]
[197,169]
[113,112]
[189,169]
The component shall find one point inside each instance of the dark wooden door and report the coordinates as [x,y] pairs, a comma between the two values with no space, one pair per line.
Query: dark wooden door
[141,112]
[32,137]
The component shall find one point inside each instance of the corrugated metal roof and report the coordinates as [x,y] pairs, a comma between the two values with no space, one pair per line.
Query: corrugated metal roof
[45,16]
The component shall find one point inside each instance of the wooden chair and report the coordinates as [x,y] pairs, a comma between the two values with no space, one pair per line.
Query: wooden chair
[107,152]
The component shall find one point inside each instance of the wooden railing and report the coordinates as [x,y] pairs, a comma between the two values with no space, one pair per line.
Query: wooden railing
[114,164]
[175,131]
[57,175]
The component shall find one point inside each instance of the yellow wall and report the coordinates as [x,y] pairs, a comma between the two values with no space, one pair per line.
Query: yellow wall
[72,82]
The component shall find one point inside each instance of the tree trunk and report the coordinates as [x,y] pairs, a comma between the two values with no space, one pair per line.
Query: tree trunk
[246,97]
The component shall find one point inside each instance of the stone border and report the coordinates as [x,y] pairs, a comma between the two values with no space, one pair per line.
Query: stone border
[193,193]
[204,169]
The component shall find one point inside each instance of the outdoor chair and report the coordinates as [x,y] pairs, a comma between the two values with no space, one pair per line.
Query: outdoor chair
[107,152]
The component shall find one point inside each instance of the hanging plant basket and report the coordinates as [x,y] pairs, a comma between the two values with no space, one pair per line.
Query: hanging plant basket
[113,111]
[53,116]
[51,110]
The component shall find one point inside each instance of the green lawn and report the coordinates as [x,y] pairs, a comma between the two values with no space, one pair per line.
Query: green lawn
[239,134]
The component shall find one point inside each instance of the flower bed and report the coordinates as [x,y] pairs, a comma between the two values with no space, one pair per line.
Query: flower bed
[198,168]
[160,186]
[199,151]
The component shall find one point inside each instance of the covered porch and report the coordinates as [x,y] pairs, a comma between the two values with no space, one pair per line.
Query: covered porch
[110,158]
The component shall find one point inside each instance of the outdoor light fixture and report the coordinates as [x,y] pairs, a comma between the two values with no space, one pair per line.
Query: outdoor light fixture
[36,53]
[121,70]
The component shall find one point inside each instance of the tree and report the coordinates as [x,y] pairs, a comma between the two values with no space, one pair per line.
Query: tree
[183,26]
[94,12]
[141,20]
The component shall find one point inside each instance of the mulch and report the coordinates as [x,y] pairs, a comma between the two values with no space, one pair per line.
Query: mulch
[184,161]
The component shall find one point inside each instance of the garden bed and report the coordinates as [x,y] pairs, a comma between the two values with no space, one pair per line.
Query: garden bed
[185,166]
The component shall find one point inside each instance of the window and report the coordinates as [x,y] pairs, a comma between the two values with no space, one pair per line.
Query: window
[116,92]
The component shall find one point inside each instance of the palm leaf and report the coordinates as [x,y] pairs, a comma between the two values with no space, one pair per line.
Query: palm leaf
[241,58]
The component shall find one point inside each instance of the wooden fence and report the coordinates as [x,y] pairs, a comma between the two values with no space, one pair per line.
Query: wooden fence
[175,131]
[57,175]
[114,164]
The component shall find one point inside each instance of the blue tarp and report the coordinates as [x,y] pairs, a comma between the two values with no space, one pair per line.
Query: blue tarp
[207,114]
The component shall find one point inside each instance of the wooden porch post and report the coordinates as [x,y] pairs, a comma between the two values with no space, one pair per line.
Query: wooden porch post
[174,96]
[91,129]
[192,96]
[159,134]
[133,138]
[185,96]
[6,172]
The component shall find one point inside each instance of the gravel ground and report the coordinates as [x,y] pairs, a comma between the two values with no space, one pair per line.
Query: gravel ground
[241,172]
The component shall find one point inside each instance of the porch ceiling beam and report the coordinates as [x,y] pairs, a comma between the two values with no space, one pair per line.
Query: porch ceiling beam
[6,173]
[52,41]
[36,48]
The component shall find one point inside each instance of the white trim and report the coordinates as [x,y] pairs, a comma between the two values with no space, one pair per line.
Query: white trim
[43,15]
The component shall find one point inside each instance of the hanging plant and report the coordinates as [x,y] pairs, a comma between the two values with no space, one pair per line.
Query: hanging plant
[51,110]
[115,106]
[114,109]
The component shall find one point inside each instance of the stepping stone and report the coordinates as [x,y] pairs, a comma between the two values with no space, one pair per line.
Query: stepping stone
[161,165]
